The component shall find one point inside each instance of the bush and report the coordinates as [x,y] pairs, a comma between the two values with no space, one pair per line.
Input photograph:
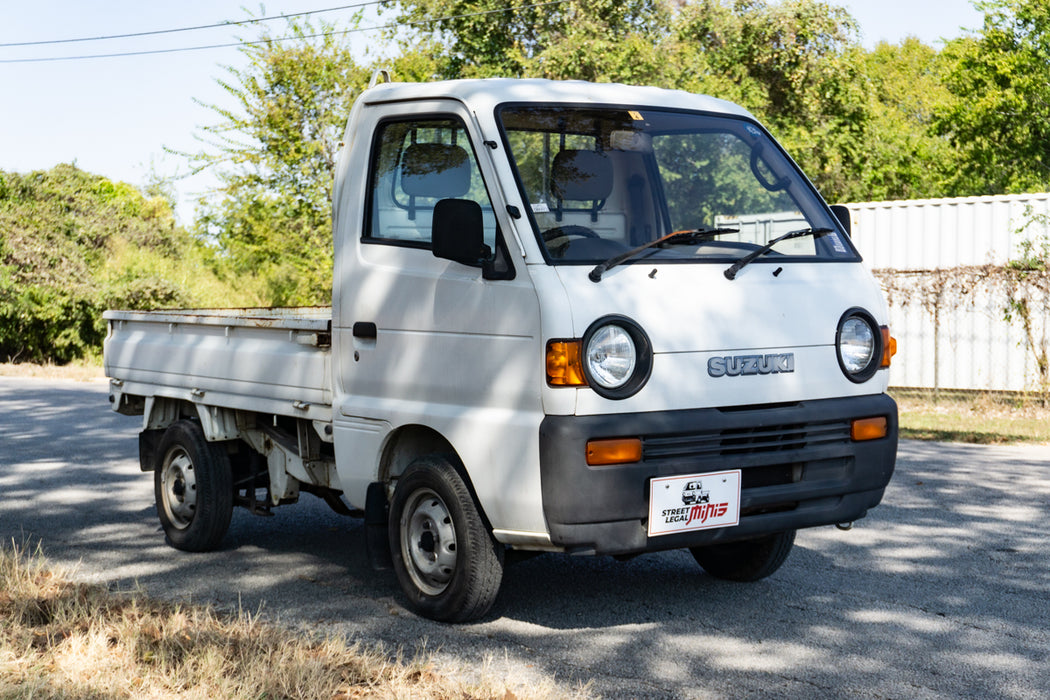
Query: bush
[73,244]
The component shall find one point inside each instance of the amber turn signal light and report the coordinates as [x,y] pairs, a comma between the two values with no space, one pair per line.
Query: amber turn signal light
[889,346]
[565,363]
[614,451]
[868,428]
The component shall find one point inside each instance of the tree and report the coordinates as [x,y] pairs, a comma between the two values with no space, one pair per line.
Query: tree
[596,44]
[1001,119]
[905,158]
[275,154]
[505,38]
[73,244]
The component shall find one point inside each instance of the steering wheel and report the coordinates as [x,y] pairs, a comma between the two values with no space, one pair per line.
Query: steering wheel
[566,232]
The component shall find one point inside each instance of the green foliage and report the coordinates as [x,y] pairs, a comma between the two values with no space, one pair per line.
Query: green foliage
[73,244]
[275,154]
[1001,120]
[1029,282]
[42,323]
[905,158]
[1034,253]
[486,38]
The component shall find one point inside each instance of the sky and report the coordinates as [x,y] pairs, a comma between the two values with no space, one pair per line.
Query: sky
[119,117]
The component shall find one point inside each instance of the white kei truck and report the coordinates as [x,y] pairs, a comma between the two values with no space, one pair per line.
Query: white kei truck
[566,317]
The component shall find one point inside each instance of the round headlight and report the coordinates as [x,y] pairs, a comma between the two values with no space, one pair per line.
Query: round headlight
[617,357]
[859,345]
[611,357]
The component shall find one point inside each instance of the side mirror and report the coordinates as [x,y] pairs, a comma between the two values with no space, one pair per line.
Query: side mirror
[841,213]
[458,232]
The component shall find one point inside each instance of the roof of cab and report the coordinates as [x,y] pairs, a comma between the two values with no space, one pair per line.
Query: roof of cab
[485,94]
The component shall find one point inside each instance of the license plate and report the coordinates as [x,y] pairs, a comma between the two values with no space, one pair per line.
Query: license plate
[694,502]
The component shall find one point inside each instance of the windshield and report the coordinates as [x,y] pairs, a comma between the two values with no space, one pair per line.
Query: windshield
[602,181]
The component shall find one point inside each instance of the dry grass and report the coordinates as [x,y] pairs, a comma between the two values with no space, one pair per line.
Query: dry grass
[84,371]
[61,639]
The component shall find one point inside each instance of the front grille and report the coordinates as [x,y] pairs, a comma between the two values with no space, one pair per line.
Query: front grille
[702,444]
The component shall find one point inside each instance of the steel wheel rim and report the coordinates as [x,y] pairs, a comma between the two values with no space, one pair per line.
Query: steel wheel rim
[428,541]
[179,488]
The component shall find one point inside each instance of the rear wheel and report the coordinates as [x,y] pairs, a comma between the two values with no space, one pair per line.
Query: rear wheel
[193,487]
[749,560]
[448,564]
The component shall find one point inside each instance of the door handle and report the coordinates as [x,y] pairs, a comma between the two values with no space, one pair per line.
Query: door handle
[365,330]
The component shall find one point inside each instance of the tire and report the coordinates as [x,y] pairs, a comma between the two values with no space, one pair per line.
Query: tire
[193,487]
[446,560]
[749,560]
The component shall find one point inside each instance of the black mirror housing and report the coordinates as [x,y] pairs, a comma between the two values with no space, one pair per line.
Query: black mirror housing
[458,232]
[841,213]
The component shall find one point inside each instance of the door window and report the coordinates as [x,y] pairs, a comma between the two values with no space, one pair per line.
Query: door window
[416,164]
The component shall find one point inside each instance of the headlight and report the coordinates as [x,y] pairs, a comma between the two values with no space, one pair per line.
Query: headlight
[617,357]
[858,341]
[611,357]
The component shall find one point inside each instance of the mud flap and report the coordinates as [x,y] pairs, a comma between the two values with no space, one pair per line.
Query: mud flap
[377,516]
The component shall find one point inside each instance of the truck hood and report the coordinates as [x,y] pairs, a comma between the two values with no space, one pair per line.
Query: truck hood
[692,314]
[694,308]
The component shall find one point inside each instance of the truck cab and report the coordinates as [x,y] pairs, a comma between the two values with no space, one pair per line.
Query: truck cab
[542,269]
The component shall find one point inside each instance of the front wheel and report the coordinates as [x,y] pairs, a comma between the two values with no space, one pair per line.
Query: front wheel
[193,487]
[448,564]
[749,560]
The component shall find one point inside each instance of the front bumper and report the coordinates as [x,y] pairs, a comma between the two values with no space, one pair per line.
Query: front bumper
[800,468]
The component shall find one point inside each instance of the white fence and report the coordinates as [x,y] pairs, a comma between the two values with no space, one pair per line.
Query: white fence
[951,327]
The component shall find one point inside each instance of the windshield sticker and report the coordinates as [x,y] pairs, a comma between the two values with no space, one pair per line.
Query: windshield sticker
[836,242]
[637,116]
[753,130]
[540,208]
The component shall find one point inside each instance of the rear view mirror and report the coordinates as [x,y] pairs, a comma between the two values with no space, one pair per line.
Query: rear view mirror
[634,141]
[458,232]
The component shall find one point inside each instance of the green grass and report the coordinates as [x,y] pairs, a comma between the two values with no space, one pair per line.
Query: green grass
[978,419]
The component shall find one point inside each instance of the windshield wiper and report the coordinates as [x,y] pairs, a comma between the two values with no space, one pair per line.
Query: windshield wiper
[697,235]
[730,273]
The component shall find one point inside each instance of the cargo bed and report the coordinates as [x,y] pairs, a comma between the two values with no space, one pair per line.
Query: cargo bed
[270,360]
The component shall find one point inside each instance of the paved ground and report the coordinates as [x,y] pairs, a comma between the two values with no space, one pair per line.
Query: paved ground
[942,592]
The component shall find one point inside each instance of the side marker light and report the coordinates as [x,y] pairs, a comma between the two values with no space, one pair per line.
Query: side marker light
[889,346]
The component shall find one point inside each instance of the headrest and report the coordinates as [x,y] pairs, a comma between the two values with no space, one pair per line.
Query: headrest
[581,175]
[435,170]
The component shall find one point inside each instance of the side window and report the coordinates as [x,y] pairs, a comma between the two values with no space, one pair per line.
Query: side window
[414,165]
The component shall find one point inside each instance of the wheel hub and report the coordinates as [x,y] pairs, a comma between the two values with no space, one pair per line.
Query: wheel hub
[179,489]
[428,542]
